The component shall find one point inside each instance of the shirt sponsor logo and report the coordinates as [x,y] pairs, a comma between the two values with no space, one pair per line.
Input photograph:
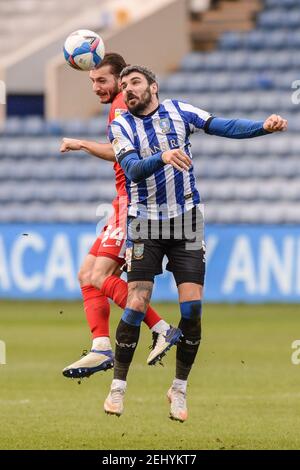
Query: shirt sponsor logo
[120,148]
[119,111]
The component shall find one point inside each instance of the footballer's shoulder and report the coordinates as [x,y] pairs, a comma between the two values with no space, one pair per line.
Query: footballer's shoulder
[169,101]
[172,102]
[122,118]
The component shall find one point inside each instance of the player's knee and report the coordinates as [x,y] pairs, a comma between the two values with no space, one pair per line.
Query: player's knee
[139,295]
[191,310]
[103,268]
[138,305]
[84,277]
[190,322]
[98,278]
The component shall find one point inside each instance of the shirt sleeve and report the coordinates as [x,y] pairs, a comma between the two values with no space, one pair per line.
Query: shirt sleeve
[235,128]
[138,170]
[121,141]
[195,118]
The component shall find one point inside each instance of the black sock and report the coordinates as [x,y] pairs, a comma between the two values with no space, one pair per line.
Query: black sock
[127,337]
[188,347]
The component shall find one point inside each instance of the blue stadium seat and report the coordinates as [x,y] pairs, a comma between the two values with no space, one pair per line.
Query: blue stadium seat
[223,103]
[220,82]
[280,17]
[175,83]
[217,60]
[293,39]
[74,128]
[12,148]
[97,126]
[231,41]
[282,3]
[242,181]
[193,62]
[258,61]
[13,126]
[281,60]
[53,127]
[255,40]
[275,39]
[236,61]
[34,125]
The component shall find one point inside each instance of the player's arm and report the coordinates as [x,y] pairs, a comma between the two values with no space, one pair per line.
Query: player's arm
[99,150]
[137,170]
[198,119]
[244,128]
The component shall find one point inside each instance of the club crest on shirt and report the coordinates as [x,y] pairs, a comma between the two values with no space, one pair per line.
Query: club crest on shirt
[165,125]
[138,251]
[119,111]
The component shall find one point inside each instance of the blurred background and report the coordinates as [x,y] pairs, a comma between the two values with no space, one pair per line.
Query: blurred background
[233,58]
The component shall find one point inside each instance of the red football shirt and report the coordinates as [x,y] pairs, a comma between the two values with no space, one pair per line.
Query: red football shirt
[118,107]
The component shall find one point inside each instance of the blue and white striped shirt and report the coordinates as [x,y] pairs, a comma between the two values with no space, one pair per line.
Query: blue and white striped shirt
[168,128]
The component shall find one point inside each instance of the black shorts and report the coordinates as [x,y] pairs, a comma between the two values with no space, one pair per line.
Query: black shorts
[181,239]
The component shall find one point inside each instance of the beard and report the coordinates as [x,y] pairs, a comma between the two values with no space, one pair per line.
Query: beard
[111,95]
[141,104]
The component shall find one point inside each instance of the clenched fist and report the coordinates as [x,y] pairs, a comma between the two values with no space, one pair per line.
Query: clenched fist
[70,144]
[275,123]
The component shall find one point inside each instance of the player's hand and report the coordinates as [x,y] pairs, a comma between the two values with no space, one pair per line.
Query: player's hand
[178,159]
[70,144]
[275,123]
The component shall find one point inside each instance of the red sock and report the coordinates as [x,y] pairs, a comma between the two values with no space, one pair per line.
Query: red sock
[117,290]
[97,310]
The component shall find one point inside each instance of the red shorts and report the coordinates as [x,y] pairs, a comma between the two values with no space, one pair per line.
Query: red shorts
[111,242]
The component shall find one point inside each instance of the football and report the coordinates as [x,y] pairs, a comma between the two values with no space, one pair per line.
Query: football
[84,49]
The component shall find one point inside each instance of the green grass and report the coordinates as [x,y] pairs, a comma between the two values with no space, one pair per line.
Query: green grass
[243,393]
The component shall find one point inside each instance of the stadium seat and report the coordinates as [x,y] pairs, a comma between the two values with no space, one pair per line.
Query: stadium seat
[74,128]
[193,62]
[282,3]
[280,17]
[97,127]
[12,126]
[249,75]
[34,125]
[231,41]
[12,148]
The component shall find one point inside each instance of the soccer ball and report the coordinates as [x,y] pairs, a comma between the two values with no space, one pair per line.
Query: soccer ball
[84,49]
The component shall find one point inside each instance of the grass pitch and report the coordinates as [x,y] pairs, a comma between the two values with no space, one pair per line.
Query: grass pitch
[244,392]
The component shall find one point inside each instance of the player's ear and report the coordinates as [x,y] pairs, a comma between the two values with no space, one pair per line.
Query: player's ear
[154,88]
